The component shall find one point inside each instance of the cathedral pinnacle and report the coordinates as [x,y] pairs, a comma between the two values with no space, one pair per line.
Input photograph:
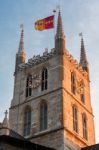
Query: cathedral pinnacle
[83,58]
[21,55]
[21,44]
[60,32]
[60,37]
[6,121]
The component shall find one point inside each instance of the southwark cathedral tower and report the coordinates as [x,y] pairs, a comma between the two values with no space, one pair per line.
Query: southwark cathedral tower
[51,102]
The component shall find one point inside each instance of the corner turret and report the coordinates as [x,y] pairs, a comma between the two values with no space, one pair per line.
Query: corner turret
[21,55]
[60,37]
[83,59]
[6,121]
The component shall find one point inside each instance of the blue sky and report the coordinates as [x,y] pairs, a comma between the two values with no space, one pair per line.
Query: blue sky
[78,16]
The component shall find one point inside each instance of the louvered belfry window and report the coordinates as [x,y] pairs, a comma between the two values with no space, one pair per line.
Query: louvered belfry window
[44,84]
[29,86]
[73,83]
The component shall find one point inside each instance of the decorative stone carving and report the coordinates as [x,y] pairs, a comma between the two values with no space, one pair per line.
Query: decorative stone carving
[36,81]
[80,87]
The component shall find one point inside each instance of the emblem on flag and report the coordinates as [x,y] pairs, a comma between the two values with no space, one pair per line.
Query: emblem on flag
[44,24]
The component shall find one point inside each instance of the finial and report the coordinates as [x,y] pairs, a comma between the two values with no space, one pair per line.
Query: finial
[5,121]
[58,8]
[22,26]
[6,113]
[80,34]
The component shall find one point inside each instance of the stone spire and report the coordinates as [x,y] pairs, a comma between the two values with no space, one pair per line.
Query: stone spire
[6,121]
[21,44]
[83,58]
[60,37]
[21,55]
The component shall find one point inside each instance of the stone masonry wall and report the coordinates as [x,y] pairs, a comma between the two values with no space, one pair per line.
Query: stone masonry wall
[70,99]
[54,140]
[52,96]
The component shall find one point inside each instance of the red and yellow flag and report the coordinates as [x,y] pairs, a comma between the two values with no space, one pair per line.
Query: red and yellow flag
[44,24]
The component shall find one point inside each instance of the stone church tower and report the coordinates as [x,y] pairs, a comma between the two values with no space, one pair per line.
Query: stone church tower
[51,103]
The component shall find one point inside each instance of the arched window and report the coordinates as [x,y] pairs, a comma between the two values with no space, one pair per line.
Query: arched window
[73,82]
[82,95]
[29,86]
[43,116]
[27,121]
[75,118]
[84,125]
[44,79]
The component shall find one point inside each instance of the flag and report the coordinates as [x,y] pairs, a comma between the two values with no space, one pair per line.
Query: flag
[44,24]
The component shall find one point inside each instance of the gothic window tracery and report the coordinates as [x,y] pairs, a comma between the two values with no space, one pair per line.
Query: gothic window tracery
[43,116]
[44,84]
[84,124]
[29,86]
[73,82]
[27,121]
[75,118]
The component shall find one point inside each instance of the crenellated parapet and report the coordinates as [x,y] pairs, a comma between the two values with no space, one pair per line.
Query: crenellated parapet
[35,60]
[75,63]
[38,59]
[48,55]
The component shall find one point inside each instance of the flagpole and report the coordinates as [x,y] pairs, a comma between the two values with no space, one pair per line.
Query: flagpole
[54,11]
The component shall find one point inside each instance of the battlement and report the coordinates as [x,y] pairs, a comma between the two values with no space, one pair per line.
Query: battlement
[47,55]
[75,63]
[38,59]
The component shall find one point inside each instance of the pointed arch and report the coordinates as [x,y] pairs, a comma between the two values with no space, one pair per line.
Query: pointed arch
[84,126]
[27,120]
[75,118]
[43,115]
[44,81]
[73,82]
[29,86]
